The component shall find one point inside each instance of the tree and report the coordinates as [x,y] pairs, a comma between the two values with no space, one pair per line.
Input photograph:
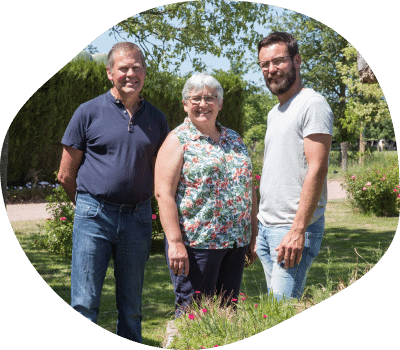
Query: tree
[91,49]
[3,167]
[365,103]
[172,33]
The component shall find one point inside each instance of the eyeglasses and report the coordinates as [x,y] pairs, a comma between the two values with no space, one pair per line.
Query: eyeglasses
[209,99]
[277,62]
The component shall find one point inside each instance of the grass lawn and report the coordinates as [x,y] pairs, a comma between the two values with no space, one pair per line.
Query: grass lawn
[345,231]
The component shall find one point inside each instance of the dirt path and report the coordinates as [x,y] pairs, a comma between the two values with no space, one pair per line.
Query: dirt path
[25,212]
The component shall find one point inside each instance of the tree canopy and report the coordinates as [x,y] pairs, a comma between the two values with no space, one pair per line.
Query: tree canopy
[365,103]
[172,33]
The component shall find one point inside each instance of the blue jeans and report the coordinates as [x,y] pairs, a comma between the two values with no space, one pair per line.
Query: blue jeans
[102,229]
[282,282]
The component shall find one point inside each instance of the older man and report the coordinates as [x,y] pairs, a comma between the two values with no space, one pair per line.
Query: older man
[293,182]
[107,165]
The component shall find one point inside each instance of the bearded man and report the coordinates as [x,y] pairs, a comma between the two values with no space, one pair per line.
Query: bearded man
[293,182]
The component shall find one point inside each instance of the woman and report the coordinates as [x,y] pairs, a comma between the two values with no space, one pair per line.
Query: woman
[207,202]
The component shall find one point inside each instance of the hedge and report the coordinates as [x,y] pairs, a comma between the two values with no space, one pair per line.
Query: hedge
[37,129]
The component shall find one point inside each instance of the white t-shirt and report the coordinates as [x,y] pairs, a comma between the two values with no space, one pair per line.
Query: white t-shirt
[285,165]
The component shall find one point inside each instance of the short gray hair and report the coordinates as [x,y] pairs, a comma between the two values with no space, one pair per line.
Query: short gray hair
[199,81]
[124,46]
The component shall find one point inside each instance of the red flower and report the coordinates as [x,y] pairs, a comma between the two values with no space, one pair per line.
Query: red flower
[265,316]
[204,310]
[234,299]
[258,177]
[154,217]
[191,317]
[63,218]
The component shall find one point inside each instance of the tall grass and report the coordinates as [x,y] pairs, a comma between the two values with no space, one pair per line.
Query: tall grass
[381,159]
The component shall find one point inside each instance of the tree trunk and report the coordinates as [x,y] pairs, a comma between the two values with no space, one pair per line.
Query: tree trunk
[362,146]
[345,148]
[3,167]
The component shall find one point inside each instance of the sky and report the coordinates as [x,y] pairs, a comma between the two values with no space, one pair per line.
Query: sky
[104,42]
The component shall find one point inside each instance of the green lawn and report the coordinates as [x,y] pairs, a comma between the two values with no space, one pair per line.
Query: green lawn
[345,231]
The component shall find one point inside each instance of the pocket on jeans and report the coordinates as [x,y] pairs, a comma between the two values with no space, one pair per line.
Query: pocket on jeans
[144,214]
[86,209]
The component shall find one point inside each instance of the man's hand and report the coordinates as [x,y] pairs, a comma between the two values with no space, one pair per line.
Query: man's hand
[291,248]
[178,258]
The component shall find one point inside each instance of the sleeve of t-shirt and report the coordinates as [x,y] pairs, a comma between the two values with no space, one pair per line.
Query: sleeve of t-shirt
[75,134]
[318,117]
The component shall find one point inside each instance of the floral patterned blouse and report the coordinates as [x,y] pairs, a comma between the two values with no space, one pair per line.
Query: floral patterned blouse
[214,192]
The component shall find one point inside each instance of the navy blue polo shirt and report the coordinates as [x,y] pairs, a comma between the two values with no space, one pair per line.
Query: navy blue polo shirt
[117,159]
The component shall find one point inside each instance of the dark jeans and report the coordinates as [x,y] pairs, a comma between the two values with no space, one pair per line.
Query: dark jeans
[211,271]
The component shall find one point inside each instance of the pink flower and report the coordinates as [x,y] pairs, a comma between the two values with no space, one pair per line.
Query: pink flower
[198,292]
[243,299]
[256,187]
[154,217]
[398,196]
[368,184]
[63,218]
[215,346]
[204,310]
[191,317]
[258,177]
[265,316]
[394,190]
[383,178]
[255,305]
[241,293]
[353,177]
[364,188]
[234,299]
[398,186]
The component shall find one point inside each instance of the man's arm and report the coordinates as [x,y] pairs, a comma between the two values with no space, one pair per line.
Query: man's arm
[70,162]
[316,148]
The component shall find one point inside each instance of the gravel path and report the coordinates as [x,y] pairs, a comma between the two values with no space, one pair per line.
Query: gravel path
[36,211]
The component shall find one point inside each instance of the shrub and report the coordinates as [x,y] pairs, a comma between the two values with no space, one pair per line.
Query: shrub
[375,190]
[57,231]
[156,223]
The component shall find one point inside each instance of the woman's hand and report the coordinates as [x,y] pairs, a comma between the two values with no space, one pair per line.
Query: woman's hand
[178,258]
[251,255]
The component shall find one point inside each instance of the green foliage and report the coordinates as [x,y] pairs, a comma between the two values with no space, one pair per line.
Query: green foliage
[208,324]
[57,231]
[157,229]
[365,102]
[37,129]
[376,190]
[190,29]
